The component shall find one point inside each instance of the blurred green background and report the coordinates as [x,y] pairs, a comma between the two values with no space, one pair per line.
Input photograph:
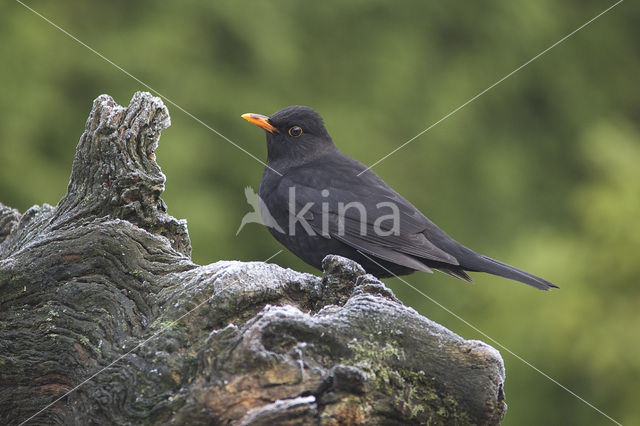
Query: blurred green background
[542,172]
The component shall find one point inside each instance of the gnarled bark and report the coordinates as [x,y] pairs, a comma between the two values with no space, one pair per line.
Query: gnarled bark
[99,296]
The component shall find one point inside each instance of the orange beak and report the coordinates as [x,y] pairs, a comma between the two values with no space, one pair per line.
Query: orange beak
[260,121]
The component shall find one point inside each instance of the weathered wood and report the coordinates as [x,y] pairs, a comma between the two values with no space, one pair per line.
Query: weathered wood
[102,287]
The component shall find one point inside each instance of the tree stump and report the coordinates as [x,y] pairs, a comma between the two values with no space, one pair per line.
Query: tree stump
[104,318]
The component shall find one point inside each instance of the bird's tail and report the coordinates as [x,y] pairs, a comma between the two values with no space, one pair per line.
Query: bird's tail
[482,263]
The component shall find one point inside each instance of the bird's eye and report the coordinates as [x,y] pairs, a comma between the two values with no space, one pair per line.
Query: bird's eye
[295,131]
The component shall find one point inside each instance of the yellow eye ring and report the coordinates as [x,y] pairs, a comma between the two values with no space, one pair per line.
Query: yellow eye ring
[295,131]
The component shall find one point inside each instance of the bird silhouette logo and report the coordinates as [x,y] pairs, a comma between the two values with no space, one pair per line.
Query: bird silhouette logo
[260,213]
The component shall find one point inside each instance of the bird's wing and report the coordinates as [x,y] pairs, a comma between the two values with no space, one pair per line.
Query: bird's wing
[357,229]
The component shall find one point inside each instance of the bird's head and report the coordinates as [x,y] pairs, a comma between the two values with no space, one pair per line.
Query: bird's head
[295,134]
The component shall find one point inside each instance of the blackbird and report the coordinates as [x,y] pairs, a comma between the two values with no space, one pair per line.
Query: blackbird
[317,201]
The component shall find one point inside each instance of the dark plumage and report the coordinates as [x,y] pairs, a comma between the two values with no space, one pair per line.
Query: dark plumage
[308,179]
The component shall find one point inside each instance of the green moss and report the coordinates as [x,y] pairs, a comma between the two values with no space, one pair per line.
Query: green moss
[138,274]
[163,324]
[413,393]
[376,361]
